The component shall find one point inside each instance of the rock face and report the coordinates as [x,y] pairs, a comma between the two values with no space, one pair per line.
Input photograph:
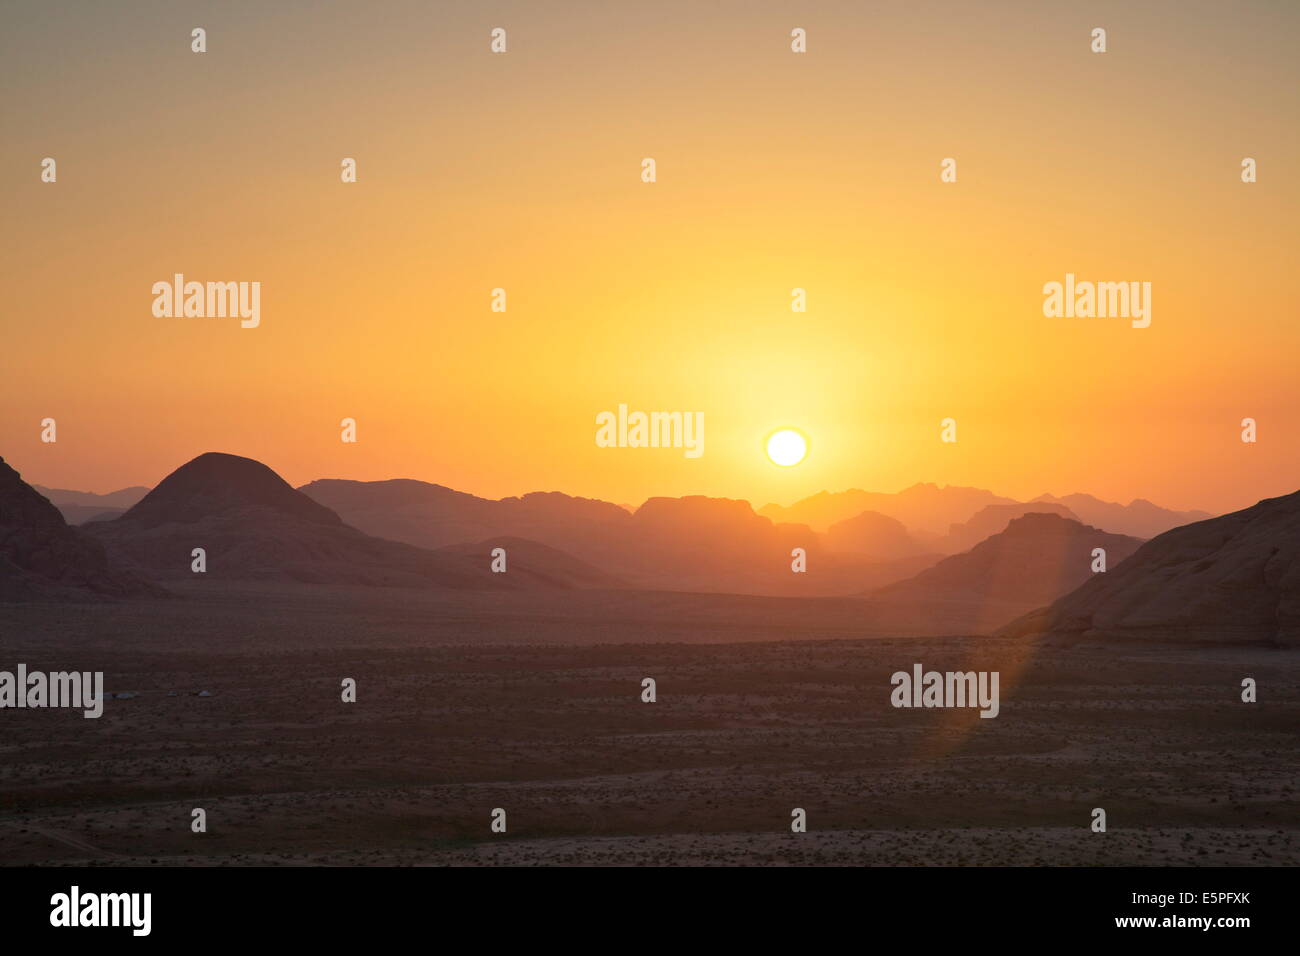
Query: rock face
[42,558]
[253,526]
[1235,578]
[1038,558]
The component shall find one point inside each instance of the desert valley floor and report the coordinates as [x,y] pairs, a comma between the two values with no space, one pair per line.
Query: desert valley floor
[531,702]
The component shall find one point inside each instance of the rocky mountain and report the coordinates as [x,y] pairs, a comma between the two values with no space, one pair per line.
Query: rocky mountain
[1038,558]
[253,526]
[1235,578]
[42,558]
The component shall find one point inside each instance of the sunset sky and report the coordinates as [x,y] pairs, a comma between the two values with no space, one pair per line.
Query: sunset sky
[775,171]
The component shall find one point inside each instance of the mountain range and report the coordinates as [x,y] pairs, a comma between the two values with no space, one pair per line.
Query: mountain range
[925,509]
[930,511]
[970,562]
[1139,517]
[252,525]
[694,543]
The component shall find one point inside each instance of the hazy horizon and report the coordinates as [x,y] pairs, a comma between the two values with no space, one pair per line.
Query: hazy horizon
[755,503]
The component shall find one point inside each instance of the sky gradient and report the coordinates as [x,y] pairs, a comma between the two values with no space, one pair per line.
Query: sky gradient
[775,171]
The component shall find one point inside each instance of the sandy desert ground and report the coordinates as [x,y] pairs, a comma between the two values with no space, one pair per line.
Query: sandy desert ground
[532,704]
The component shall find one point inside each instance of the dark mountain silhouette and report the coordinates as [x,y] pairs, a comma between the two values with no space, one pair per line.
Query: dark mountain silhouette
[1139,517]
[1037,558]
[871,533]
[253,525]
[1235,578]
[42,558]
[991,520]
[925,509]
[216,483]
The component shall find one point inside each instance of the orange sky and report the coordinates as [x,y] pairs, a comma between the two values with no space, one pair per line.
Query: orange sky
[775,171]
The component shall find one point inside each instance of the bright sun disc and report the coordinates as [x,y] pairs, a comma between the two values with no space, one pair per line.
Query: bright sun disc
[787,447]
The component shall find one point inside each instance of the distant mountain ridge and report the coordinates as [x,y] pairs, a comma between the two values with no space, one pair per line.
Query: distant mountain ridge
[1139,517]
[930,512]
[692,543]
[122,498]
[923,508]
[661,544]
[81,506]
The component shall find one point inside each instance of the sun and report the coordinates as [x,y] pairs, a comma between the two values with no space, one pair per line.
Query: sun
[787,447]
